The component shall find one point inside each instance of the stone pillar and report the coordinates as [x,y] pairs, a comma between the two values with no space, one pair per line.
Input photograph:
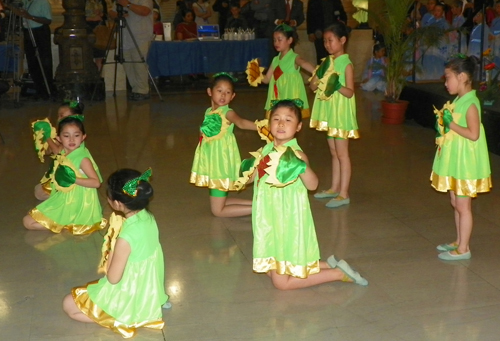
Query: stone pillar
[76,74]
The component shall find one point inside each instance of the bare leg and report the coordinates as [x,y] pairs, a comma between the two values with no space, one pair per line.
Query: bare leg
[40,194]
[227,208]
[456,215]
[285,282]
[32,224]
[70,308]
[335,187]
[342,148]
[463,207]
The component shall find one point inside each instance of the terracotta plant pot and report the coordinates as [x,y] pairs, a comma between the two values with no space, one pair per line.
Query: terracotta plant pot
[394,113]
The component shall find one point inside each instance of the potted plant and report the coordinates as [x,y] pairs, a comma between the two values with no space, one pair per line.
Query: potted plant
[400,38]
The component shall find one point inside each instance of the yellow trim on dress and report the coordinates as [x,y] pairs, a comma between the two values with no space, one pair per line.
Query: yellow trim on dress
[89,308]
[75,229]
[334,132]
[47,186]
[468,188]
[205,181]
[264,265]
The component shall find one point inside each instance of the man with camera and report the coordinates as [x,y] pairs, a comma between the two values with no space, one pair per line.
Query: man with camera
[37,16]
[139,18]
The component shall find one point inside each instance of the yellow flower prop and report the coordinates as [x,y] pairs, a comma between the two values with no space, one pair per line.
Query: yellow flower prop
[442,133]
[42,131]
[272,170]
[214,126]
[240,183]
[487,52]
[65,174]
[108,246]
[263,130]
[255,72]
[324,88]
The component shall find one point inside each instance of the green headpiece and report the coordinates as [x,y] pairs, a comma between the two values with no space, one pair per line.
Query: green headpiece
[460,55]
[283,27]
[130,188]
[226,75]
[80,118]
[298,102]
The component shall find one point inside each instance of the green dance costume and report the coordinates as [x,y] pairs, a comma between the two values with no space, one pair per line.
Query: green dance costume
[136,300]
[283,227]
[217,158]
[286,82]
[335,114]
[462,165]
[75,208]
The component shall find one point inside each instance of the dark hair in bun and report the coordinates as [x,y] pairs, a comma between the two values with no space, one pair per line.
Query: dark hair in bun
[75,107]
[118,179]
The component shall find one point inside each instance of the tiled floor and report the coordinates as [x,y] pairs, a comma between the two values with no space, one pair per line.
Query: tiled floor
[388,232]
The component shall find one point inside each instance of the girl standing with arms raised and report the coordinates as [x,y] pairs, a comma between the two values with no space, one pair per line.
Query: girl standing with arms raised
[217,158]
[132,293]
[73,203]
[334,111]
[283,77]
[285,244]
[461,165]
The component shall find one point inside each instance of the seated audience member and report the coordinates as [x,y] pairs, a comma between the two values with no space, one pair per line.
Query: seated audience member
[474,48]
[187,28]
[428,17]
[236,20]
[374,74]
[458,38]
[157,24]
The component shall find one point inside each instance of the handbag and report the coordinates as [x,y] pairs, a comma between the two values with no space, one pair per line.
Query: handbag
[103,33]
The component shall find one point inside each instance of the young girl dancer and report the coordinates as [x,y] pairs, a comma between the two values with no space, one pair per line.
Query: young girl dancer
[285,245]
[217,158]
[334,111]
[461,164]
[283,77]
[44,188]
[133,291]
[73,203]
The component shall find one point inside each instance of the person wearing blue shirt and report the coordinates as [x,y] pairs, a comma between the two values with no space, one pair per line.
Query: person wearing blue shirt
[37,16]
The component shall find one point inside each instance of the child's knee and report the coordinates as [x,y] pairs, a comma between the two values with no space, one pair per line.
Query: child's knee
[68,303]
[27,221]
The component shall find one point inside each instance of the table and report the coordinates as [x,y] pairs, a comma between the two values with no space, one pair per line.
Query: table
[173,58]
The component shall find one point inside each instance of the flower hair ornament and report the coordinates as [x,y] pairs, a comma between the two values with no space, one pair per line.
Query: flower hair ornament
[284,27]
[298,102]
[130,187]
[225,74]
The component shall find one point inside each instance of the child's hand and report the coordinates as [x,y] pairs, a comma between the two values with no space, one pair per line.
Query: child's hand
[332,85]
[447,119]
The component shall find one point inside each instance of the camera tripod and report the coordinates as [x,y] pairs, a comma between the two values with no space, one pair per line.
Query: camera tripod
[15,50]
[117,32]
